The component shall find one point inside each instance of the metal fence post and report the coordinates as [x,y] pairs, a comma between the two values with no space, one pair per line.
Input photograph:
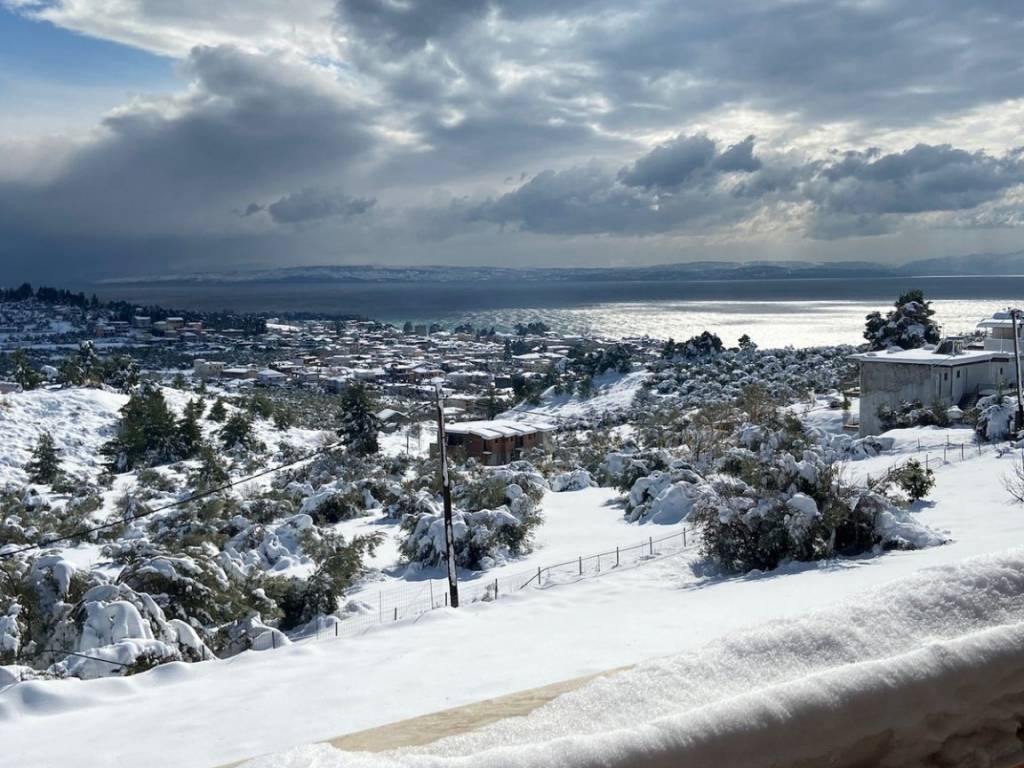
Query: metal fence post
[650,543]
[684,537]
[616,557]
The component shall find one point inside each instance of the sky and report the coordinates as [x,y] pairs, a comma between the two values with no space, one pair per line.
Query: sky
[157,136]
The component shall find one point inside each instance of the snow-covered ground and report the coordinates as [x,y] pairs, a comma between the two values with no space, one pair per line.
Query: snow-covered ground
[612,393]
[79,419]
[214,712]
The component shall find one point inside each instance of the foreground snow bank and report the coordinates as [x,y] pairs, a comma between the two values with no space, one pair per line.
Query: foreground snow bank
[928,670]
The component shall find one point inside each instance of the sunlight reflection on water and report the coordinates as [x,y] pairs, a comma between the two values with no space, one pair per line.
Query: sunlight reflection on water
[769,323]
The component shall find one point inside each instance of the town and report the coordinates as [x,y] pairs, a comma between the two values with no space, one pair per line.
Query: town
[190,487]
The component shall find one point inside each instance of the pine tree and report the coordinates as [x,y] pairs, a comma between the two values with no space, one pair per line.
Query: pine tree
[909,325]
[217,411]
[27,376]
[190,435]
[359,423]
[69,374]
[44,466]
[237,431]
[147,434]
[88,361]
[211,471]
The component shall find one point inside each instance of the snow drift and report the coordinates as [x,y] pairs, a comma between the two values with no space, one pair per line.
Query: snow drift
[928,670]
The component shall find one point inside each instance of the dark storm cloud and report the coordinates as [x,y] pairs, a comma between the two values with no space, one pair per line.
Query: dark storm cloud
[250,125]
[685,158]
[688,183]
[894,62]
[862,192]
[418,102]
[311,204]
[406,26]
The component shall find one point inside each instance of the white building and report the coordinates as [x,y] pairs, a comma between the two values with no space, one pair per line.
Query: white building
[954,373]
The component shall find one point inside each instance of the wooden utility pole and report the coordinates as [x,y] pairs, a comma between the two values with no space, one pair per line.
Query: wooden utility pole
[1015,316]
[446,492]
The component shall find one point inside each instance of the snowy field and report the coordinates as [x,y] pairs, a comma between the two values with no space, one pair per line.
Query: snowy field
[214,712]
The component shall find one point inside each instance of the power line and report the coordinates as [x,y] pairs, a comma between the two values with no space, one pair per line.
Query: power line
[146,513]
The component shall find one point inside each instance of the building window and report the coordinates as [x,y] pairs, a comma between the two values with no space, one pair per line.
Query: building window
[958,374]
[945,376]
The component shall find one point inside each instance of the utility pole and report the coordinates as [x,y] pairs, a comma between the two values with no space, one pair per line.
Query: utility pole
[446,491]
[1015,315]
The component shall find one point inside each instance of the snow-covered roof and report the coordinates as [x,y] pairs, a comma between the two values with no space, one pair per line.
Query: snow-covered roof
[491,430]
[928,356]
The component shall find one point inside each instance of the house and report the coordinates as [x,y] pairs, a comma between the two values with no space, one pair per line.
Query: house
[956,372]
[268,377]
[207,369]
[496,442]
[392,419]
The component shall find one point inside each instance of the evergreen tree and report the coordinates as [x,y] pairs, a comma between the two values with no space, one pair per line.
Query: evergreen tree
[44,466]
[359,423]
[237,431]
[27,376]
[211,471]
[69,374]
[217,411]
[909,325]
[190,435]
[147,434]
[283,418]
[746,343]
[88,362]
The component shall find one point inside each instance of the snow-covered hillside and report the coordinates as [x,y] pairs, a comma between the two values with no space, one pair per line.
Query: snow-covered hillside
[79,419]
[213,712]
[612,393]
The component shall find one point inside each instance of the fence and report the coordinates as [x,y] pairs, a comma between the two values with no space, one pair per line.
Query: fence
[397,604]
[938,454]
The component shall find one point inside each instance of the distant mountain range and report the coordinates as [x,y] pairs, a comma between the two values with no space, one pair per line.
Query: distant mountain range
[973,264]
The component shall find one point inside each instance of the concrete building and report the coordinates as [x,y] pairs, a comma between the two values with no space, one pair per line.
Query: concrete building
[956,372]
[207,369]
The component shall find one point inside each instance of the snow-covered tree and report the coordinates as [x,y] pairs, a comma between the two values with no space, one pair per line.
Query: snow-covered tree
[44,466]
[359,423]
[909,325]
[27,376]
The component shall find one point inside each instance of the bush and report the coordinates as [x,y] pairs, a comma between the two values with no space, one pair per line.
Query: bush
[913,479]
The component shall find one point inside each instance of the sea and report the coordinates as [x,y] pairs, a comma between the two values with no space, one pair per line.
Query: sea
[774,313]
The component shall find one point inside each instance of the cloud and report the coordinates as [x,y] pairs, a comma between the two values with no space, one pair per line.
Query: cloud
[610,119]
[249,124]
[311,204]
[687,158]
[687,185]
[863,191]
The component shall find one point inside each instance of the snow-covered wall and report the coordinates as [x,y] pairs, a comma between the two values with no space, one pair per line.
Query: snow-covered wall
[926,671]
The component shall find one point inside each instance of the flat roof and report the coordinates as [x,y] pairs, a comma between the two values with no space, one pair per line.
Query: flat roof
[491,430]
[928,357]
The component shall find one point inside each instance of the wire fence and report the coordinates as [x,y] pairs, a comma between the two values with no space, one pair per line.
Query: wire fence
[933,455]
[366,609]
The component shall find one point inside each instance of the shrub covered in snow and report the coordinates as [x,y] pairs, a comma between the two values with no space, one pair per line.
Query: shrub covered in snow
[576,480]
[494,517]
[996,414]
[766,506]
